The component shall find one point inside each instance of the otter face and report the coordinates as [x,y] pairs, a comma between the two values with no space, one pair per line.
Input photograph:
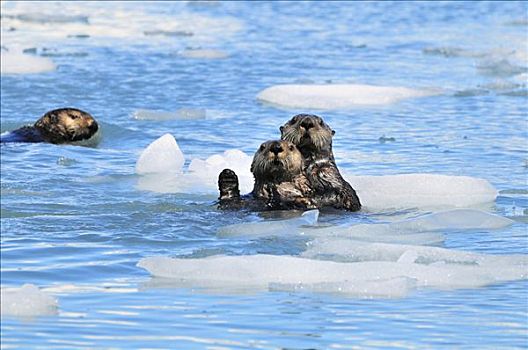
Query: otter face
[277,161]
[67,125]
[308,131]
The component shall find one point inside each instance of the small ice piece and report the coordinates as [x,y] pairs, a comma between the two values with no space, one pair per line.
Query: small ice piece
[335,96]
[27,301]
[270,227]
[19,63]
[161,156]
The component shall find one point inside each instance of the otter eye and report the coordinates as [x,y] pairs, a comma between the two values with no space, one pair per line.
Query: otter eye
[74,116]
[292,147]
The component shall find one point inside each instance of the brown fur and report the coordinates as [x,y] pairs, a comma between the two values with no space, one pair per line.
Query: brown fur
[64,125]
[313,137]
[279,180]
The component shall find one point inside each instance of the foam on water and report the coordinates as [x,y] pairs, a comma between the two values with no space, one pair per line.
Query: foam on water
[335,96]
[27,301]
[19,63]
[267,271]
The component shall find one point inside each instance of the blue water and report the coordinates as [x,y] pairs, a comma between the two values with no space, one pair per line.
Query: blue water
[75,215]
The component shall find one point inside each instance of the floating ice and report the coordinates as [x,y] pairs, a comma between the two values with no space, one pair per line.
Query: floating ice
[411,231]
[270,227]
[421,191]
[269,271]
[161,156]
[104,23]
[182,113]
[27,301]
[19,63]
[347,250]
[336,96]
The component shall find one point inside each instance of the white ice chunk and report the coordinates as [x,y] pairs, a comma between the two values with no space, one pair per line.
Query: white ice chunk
[27,301]
[421,191]
[19,63]
[266,271]
[334,96]
[161,156]
[270,227]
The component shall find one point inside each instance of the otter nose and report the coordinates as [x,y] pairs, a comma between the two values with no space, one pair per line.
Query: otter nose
[307,123]
[276,148]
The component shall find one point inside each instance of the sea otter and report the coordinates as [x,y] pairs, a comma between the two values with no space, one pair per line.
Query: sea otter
[279,181]
[59,126]
[313,138]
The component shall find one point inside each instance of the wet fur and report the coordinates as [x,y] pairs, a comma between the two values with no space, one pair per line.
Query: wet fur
[280,182]
[313,137]
[59,126]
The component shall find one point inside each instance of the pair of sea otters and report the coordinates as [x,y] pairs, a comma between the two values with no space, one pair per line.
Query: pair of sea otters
[296,172]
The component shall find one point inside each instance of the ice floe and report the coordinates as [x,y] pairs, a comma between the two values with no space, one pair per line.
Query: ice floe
[51,23]
[359,278]
[337,96]
[163,160]
[421,190]
[27,301]
[19,63]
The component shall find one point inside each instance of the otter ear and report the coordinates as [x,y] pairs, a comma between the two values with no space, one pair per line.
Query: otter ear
[281,129]
[333,132]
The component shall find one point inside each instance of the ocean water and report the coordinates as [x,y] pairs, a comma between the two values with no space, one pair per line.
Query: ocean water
[90,237]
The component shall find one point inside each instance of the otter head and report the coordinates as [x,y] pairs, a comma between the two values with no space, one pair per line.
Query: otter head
[277,161]
[67,125]
[309,133]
